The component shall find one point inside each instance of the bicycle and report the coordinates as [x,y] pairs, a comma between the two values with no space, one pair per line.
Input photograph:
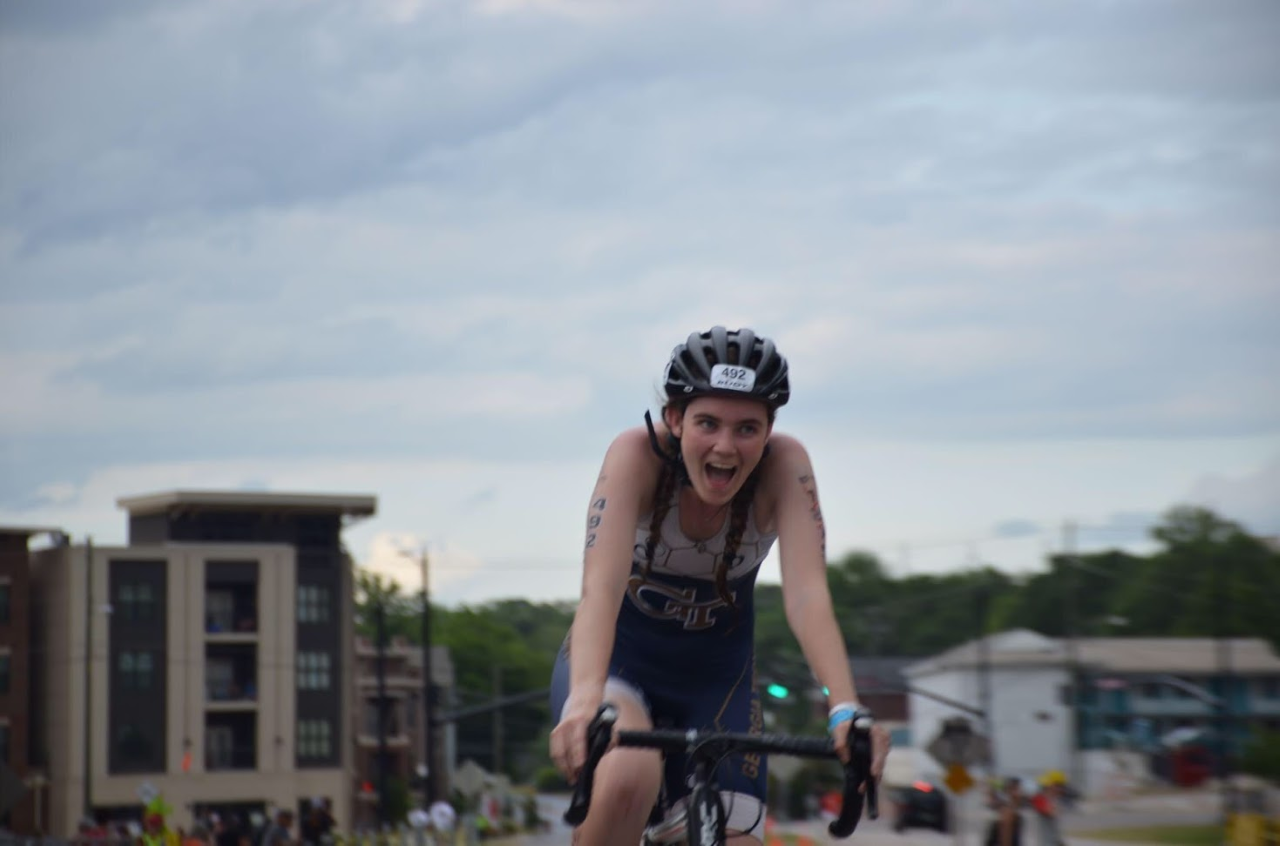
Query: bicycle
[704,823]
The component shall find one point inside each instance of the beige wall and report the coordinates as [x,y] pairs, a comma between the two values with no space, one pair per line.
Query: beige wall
[62,672]
[276,782]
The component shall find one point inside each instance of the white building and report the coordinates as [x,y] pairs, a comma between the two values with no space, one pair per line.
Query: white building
[1027,676]
[1132,691]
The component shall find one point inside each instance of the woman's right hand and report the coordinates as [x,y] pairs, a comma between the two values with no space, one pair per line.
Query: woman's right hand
[569,738]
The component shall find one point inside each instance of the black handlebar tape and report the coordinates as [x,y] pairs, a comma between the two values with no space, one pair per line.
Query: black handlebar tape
[857,771]
[599,734]
[851,804]
[675,740]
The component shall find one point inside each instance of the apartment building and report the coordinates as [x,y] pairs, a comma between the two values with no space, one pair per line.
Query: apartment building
[219,647]
[20,782]
[402,688]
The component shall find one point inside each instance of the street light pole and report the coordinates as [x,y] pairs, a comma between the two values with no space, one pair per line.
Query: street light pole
[428,711]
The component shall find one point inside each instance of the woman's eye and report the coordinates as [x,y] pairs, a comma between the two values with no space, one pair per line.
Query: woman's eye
[749,429]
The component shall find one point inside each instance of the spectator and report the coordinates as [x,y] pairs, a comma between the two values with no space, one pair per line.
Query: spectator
[1047,804]
[1006,828]
[279,833]
[315,829]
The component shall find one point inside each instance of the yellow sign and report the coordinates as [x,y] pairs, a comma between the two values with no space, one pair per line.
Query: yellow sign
[958,779]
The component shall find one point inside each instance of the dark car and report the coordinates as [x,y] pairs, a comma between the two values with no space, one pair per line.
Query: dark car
[922,805]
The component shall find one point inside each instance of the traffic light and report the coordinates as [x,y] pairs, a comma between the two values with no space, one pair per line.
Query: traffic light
[778,691]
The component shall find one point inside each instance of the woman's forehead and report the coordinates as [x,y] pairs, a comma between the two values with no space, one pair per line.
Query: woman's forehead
[728,408]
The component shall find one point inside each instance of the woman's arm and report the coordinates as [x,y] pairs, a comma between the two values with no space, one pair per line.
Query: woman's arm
[621,492]
[802,548]
[802,542]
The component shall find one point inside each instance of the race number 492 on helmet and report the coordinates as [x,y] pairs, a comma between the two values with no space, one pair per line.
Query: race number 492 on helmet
[728,362]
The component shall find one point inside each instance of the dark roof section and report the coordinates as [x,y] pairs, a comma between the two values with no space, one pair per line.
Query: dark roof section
[880,672]
[28,531]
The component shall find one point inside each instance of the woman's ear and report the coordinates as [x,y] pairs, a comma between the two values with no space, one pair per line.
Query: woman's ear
[674,418]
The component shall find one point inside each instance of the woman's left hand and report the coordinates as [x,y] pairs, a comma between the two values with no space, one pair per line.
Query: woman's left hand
[879,746]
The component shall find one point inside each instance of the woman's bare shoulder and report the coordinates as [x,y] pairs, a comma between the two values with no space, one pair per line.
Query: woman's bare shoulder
[631,464]
[786,456]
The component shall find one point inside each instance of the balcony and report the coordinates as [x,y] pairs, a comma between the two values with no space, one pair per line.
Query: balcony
[368,734]
[230,742]
[231,675]
[231,609]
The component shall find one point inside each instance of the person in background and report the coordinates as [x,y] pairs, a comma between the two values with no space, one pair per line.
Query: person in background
[1047,803]
[280,833]
[316,827]
[1006,828]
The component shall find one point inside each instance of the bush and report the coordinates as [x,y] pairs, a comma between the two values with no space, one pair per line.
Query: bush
[549,780]
[1262,757]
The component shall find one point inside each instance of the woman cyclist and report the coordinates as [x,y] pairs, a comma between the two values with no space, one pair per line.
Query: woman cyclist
[682,515]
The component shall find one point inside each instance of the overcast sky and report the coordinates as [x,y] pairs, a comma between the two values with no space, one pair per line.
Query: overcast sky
[1022,257]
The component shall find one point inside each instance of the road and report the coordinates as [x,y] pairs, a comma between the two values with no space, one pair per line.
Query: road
[880,833]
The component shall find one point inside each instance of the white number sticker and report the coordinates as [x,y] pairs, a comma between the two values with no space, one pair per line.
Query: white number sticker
[730,378]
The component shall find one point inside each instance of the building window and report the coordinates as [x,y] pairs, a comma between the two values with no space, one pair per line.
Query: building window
[4,743]
[220,611]
[133,750]
[136,601]
[4,673]
[313,671]
[219,748]
[5,601]
[1269,687]
[315,739]
[313,604]
[1152,690]
[136,670]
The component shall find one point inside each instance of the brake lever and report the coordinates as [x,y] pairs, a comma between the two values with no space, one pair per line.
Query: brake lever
[864,743]
[599,735]
[857,772]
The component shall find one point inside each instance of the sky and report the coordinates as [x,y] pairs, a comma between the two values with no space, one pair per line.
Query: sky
[1022,259]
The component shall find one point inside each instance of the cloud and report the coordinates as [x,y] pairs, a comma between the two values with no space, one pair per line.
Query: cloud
[335,233]
[1252,498]
[1017,528]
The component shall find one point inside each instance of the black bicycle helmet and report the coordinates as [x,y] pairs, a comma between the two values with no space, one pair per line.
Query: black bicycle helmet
[725,362]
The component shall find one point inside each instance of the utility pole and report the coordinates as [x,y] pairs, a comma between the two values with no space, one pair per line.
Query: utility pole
[497,721]
[380,665]
[984,673]
[88,676]
[1222,626]
[428,689]
[1070,622]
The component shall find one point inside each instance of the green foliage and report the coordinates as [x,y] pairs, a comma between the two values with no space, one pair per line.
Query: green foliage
[550,780]
[1262,756]
[397,800]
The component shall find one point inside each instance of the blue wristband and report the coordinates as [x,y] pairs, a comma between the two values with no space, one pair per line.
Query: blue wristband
[838,716]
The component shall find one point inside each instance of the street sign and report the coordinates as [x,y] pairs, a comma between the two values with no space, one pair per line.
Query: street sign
[957,743]
[470,778]
[958,779]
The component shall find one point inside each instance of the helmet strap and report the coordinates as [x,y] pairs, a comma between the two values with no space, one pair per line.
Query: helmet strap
[675,462]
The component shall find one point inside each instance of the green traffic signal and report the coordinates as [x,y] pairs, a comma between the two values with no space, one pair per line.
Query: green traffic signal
[778,691]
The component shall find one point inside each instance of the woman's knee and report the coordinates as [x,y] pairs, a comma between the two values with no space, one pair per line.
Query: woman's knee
[628,780]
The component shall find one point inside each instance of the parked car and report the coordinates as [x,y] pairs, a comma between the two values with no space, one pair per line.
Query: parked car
[923,804]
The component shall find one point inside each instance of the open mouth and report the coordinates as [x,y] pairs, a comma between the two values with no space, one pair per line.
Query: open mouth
[719,475]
